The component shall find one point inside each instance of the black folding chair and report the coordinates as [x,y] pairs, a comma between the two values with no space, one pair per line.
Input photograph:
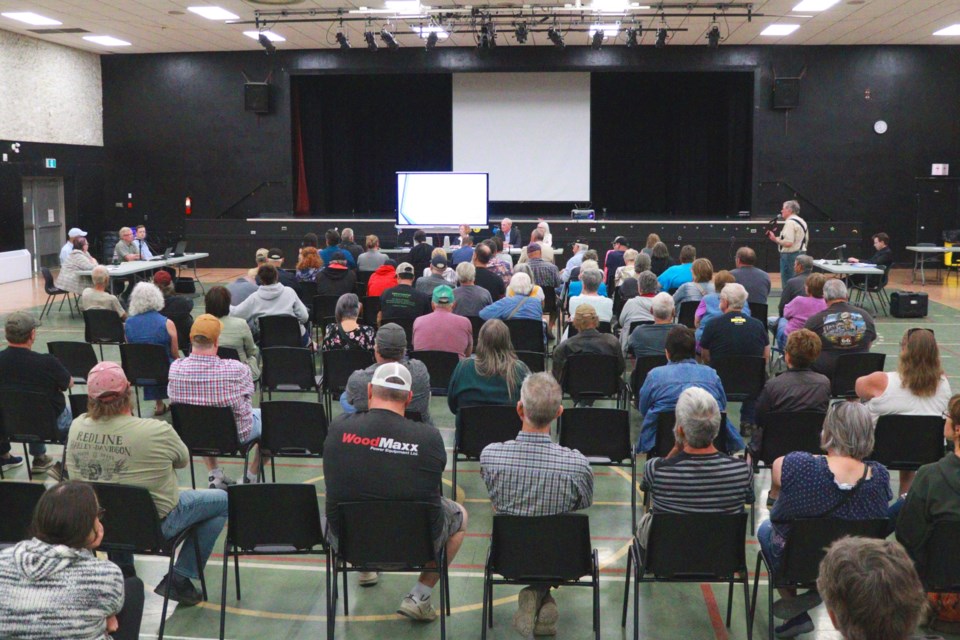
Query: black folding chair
[534,361]
[941,572]
[805,548]
[77,357]
[52,292]
[228,353]
[603,436]
[362,546]
[637,323]
[527,335]
[698,547]
[371,308]
[873,288]
[478,426]
[210,432]
[337,367]
[103,326]
[279,331]
[291,430]
[407,325]
[78,404]
[146,365]
[592,376]
[905,443]
[851,366]
[564,561]
[323,312]
[743,377]
[293,528]
[758,310]
[441,365]
[475,323]
[288,369]
[665,440]
[17,502]
[133,526]
[307,292]
[686,314]
[550,307]
[29,417]
[645,364]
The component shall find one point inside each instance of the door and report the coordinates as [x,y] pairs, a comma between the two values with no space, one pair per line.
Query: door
[43,233]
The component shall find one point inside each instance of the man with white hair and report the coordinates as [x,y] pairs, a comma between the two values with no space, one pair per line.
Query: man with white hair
[650,339]
[520,306]
[349,245]
[97,297]
[469,297]
[66,249]
[842,327]
[579,248]
[126,249]
[509,233]
[793,238]
[591,279]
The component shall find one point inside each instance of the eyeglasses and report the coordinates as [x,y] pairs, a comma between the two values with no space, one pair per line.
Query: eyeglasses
[913,330]
[101,512]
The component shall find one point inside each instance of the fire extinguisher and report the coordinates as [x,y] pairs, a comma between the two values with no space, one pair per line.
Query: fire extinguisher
[188,208]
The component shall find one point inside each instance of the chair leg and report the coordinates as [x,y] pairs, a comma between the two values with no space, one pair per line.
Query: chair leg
[596,595]
[136,394]
[453,495]
[236,570]
[166,598]
[729,601]
[223,589]
[193,477]
[345,604]
[446,583]
[203,578]
[753,600]
[484,612]
[639,568]
[626,588]
[633,494]
[443,595]
[746,603]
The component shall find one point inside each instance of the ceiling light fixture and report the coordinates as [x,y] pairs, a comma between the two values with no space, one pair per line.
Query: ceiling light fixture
[713,37]
[632,37]
[815,5]
[597,40]
[371,40]
[488,35]
[555,37]
[388,39]
[521,32]
[432,40]
[270,35]
[343,40]
[213,13]
[661,38]
[425,31]
[952,30]
[404,7]
[107,41]
[779,29]
[29,17]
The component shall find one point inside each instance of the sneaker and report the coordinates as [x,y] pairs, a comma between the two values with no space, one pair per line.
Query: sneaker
[790,608]
[57,472]
[10,462]
[525,618]
[415,609]
[220,482]
[795,626]
[182,591]
[247,480]
[368,578]
[41,464]
[547,617]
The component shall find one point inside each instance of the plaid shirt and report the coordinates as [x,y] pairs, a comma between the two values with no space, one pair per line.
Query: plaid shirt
[211,382]
[533,476]
[545,274]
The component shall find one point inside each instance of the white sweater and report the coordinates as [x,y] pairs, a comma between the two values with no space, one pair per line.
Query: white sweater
[271,300]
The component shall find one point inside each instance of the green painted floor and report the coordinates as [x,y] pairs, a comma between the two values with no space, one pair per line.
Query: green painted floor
[283,597]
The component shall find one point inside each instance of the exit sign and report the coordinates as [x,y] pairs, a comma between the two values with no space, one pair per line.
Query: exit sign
[51,163]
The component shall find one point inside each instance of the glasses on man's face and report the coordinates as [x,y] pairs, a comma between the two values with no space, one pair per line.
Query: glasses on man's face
[913,330]
[101,512]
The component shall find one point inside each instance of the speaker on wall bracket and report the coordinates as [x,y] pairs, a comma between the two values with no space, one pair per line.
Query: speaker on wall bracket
[786,93]
[256,97]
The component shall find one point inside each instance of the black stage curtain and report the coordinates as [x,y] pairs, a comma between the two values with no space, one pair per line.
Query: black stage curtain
[672,143]
[359,130]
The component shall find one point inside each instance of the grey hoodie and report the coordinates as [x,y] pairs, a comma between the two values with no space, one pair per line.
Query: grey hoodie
[271,300]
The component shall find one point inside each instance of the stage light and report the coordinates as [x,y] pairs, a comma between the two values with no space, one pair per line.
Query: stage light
[597,39]
[266,44]
[661,38]
[432,40]
[488,35]
[521,32]
[632,38]
[388,38]
[342,40]
[371,40]
[555,37]
[713,37]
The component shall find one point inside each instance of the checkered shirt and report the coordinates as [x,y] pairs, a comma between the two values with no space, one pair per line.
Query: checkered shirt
[544,273]
[533,476]
[211,382]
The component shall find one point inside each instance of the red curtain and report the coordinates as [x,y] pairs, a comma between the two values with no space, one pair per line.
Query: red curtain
[302,206]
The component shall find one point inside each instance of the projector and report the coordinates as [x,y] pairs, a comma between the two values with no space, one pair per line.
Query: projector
[583,214]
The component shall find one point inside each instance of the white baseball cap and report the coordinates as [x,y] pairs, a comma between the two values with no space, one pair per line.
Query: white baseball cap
[392,375]
[74,232]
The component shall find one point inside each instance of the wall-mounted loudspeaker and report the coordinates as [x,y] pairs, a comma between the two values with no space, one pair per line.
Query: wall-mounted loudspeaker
[256,97]
[786,93]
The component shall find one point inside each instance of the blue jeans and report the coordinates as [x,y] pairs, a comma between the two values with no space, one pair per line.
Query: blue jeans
[765,538]
[345,405]
[256,428]
[782,334]
[786,266]
[38,448]
[206,508]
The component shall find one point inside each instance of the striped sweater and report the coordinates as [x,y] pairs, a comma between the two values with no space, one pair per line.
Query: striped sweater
[54,591]
[702,483]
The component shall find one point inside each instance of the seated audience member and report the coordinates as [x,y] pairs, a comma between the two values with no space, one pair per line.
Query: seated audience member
[694,477]
[403,300]
[501,263]
[934,497]
[575,286]
[235,333]
[545,272]
[679,274]
[151,453]
[521,306]
[53,586]
[469,297]
[630,287]
[465,230]
[837,485]
[842,327]
[535,291]
[204,379]
[176,308]
[652,240]
[709,307]
[701,270]
[660,259]
[309,265]
[614,260]
[578,250]
[272,299]
[419,255]
[626,271]
[485,277]
[434,276]
[390,346]
[650,339]
[332,239]
[348,245]
[663,385]
[246,285]
[493,375]
[532,476]
[347,332]
[587,340]
[795,286]
[310,240]
[147,325]
[545,250]
[546,237]
[336,278]
[755,281]
[261,259]
[917,388]
[68,247]
[385,277]
[78,260]
[883,256]
[591,279]
[638,309]
[798,311]
[587,256]
[464,253]
[443,330]
[371,259]
[284,277]
[96,297]
[871,589]
[508,233]
[796,389]
[355,473]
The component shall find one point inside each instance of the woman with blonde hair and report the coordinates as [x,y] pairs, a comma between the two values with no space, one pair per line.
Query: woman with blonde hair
[652,240]
[309,265]
[626,271]
[702,285]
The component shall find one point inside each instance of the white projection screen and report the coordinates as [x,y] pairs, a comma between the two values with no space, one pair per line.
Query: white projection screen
[529,131]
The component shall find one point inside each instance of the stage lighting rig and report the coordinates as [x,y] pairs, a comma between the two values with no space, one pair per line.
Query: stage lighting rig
[521,32]
[371,40]
[597,40]
[555,37]
[388,38]
[488,34]
[342,40]
[713,37]
[661,38]
[632,41]
[432,40]
[266,44]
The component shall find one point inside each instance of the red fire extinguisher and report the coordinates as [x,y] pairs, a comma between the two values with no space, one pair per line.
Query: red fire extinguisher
[188,208]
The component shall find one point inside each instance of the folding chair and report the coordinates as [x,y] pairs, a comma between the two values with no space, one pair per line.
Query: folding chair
[337,367]
[478,426]
[146,365]
[29,417]
[638,323]
[228,353]
[291,429]
[595,377]
[697,547]
[52,292]
[78,404]
[441,365]
[287,369]
[851,366]
[293,528]
[476,322]
[644,365]
[77,357]
[535,361]
[323,312]
[873,288]
[103,326]
[905,443]
[743,377]
[17,502]
[307,292]
[133,526]
[941,572]
[664,440]
[686,314]
[407,325]
[563,561]
[210,432]
[527,335]
[279,331]
[371,307]
[758,310]
[603,436]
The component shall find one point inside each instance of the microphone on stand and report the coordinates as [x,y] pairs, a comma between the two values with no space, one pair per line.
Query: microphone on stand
[839,250]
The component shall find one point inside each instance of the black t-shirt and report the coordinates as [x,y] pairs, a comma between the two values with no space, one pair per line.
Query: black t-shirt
[403,301]
[491,282]
[380,455]
[26,370]
[419,257]
[734,334]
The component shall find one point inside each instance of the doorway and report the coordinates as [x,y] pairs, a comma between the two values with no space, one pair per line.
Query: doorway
[43,232]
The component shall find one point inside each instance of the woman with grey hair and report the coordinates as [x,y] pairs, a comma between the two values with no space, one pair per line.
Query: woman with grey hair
[146,325]
[630,288]
[520,306]
[535,292]
[639,308]
[347,332]
[840,484]
[592,279]
[575,286]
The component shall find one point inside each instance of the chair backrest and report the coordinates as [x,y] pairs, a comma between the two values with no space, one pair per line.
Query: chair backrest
[48,286]
[416,416]
[645,364]
[77,357]
[851,366]
[592,375]
[785,433]
[407,325]
[410,541]
[596,432]
[287,368]
[307,292]
[638,323]
[228,353]
[905,443]
[28,416]
[618,302]
[279,331]
[535,361]
[324,309]
[941,572]
[758,310]
[17,502]
[440,364]
[478,426]
[687,313]
[103,326]
[475,323]
[145,363]
[567,556]
[526,335]
[293,523]
[339,364]
[664,439]
[808,542]
[294,427]
[371,307]
[742,376]
[549,300]
[207,431]
[78,403]
[697,546]
[131,522]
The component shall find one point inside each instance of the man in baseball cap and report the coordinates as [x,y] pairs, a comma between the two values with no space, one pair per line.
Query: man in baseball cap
[68,247]
[443,330]
[587,340]
[287,279]
[614,261]
[404,301]
[438,267]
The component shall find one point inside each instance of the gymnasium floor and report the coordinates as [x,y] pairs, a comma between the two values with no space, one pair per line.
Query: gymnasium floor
[283,597]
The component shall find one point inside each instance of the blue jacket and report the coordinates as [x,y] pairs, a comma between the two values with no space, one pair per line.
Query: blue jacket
[674,276]
[327,254]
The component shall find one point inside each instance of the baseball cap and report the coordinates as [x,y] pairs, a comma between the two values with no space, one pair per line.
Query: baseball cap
[107,378]
[262,255]
[392,375]
[207,326]
[439,261]
[389,262]
[620,240]
[21,322]
[162,278]
[391,341]
[405,268]
[585,312]
[275,254]
[74,232]
[443,294]
[533,247]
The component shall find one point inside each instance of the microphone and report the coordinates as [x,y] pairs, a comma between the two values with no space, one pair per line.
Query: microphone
[839,250]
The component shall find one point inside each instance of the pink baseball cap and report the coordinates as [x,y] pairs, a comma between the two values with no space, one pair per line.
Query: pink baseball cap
[106,378]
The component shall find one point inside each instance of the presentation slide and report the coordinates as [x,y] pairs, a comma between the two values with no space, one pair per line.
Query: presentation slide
[529,131]
[441,199]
